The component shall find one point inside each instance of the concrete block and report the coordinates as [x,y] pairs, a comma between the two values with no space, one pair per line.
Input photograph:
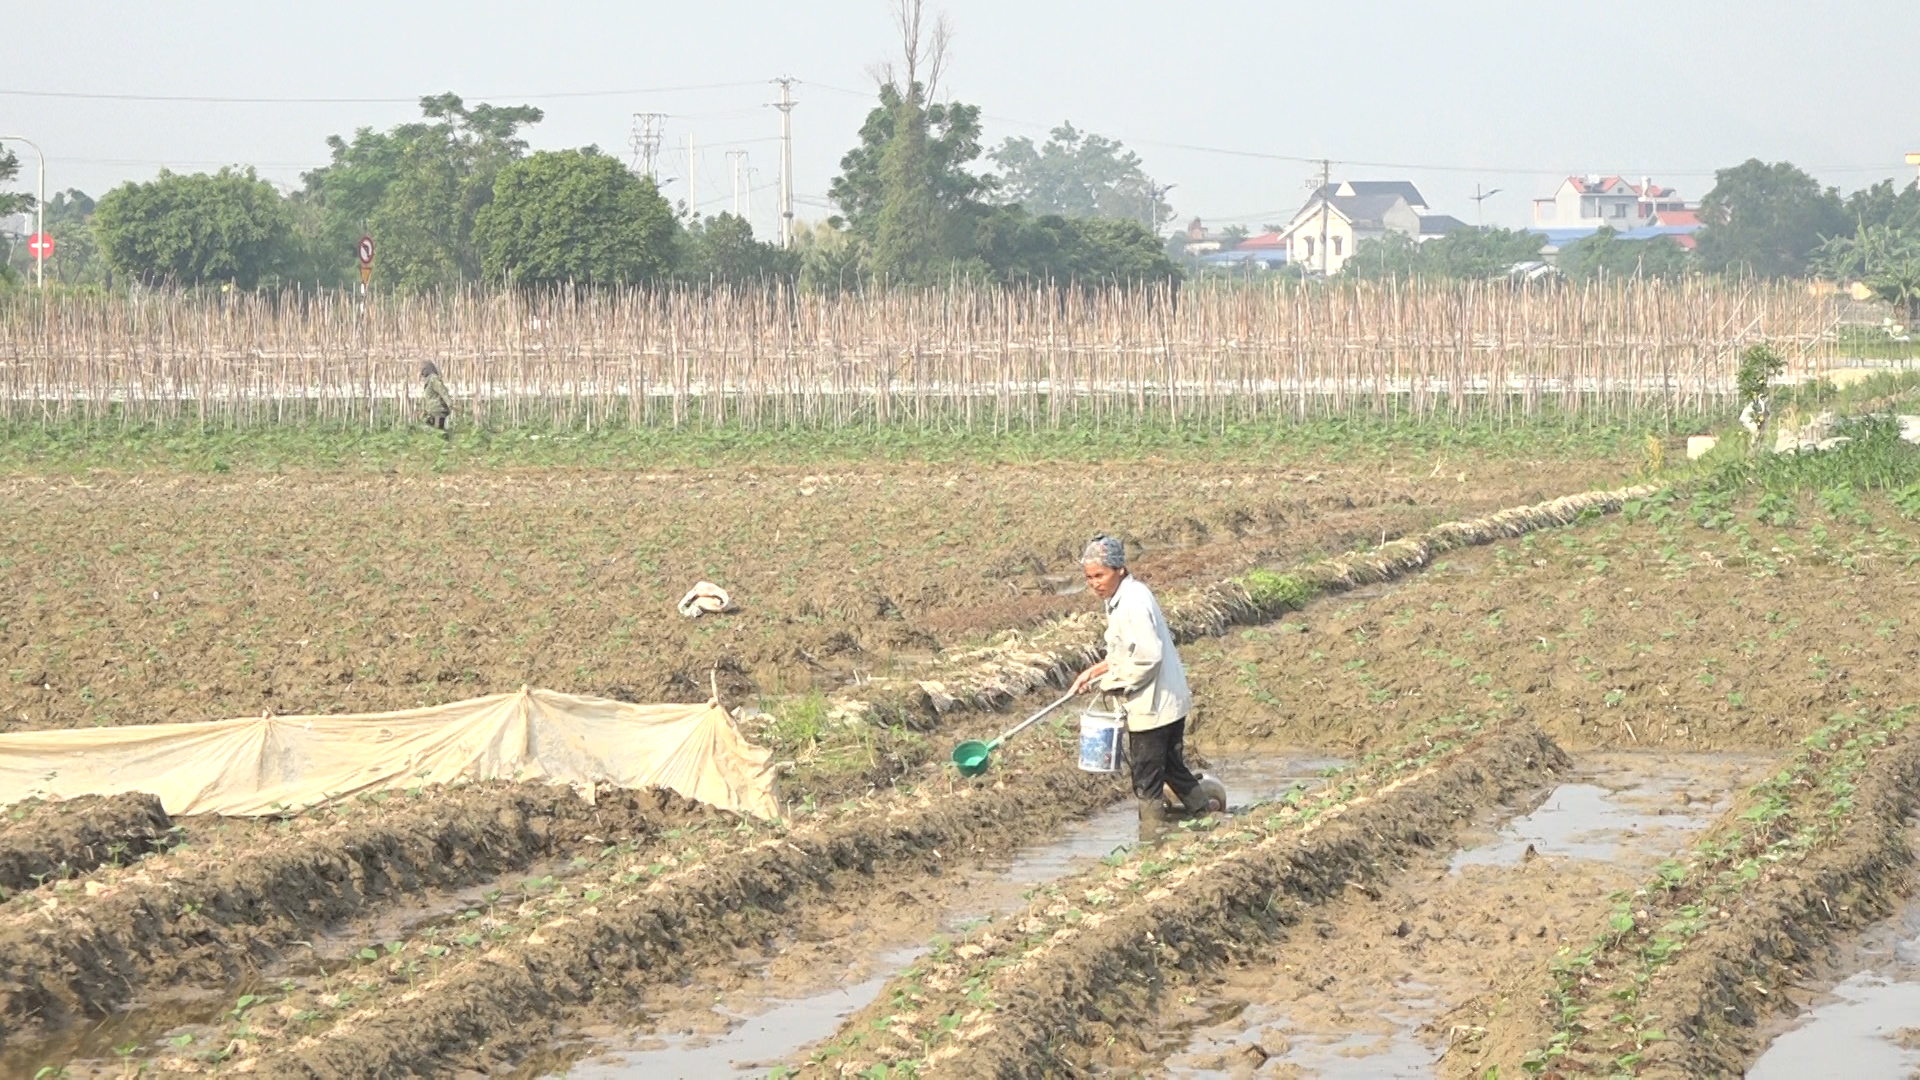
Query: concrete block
[1697,445]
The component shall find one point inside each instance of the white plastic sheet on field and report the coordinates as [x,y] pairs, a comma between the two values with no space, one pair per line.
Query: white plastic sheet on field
[271,764]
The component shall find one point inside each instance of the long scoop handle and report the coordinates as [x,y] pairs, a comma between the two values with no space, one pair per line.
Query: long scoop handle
[1029,721]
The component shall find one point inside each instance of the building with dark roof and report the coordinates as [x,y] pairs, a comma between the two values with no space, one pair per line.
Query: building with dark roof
[1336,218]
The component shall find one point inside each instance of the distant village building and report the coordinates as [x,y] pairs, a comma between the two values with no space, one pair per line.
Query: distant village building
[1584,205]
[1201,241]
[1322,235]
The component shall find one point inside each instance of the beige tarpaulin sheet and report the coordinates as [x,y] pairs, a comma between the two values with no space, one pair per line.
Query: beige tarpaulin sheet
[270,764]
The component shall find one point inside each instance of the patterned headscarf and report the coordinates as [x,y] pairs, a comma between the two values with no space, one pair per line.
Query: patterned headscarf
[1105,550]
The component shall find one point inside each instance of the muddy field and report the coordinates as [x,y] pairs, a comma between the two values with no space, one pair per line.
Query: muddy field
[151,598]
[1611,798]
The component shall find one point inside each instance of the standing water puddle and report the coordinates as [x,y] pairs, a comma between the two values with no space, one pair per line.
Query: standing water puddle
[758,1041]
[1624,810]
[1868,1026]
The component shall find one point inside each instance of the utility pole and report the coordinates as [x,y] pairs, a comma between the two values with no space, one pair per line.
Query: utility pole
[1479,213]
[1326,181]
[750,171]
[39,212]
[785,105]
[1155,194]
[648,128]
[693,186]
[738,159]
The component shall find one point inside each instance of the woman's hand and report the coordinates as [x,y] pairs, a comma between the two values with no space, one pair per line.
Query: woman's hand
[1088,677]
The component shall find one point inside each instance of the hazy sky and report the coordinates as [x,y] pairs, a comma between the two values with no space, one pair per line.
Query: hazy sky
[1215,96]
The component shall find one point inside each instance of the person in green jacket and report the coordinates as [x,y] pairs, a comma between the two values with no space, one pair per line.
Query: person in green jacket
[438,405]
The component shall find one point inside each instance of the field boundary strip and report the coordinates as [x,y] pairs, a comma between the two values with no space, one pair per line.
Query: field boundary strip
[991,676]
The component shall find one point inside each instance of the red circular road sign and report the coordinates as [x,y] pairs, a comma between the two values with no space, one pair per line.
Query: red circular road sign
[41,245]
[366,251]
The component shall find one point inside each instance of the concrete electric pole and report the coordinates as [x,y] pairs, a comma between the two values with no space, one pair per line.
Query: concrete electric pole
[1326,181]
[738,160]
[785,105]
[693,186]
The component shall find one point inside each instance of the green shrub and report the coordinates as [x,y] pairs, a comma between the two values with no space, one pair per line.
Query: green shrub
[1276,592]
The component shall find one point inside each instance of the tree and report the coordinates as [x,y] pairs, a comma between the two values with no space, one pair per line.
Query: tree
[1882,204]
[1011,246]
[574,216]
[1464,254]
[953,141]
[1076,174]
[12,202]
[225,226]
[722,249]
[1766,220]
[1605,254]
[910,228]
[418,189]
[916,215]
[76,255]
[1886,257]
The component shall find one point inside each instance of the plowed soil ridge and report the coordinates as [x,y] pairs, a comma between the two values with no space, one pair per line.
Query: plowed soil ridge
[503,1002]
[1083,981]
[991,676]
[40,841]
[1729,977]
[208,920]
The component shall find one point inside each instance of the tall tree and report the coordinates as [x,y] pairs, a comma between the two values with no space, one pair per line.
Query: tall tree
[574,216]
[418,189]
[1766,219]
[952,143]
[227,226]
[1077,174]
[909,231]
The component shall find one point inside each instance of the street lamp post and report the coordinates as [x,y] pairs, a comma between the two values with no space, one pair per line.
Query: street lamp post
[39,211]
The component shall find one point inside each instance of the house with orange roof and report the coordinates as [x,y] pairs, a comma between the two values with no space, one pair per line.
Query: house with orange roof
[1589,202]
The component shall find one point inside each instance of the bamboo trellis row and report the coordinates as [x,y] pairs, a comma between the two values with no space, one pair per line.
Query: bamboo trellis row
[959,357]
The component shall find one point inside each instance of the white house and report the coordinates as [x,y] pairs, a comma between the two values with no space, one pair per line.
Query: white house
[1321,237]
[1592,201]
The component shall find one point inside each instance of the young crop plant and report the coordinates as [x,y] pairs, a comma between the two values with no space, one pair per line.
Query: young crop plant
[1600,1025]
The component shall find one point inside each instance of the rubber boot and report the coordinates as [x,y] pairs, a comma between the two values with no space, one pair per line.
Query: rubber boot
[1153,819]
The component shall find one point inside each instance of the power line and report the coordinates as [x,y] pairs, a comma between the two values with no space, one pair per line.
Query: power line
[207,99]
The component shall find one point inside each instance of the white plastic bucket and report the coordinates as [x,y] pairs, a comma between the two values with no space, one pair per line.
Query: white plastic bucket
[1100,735]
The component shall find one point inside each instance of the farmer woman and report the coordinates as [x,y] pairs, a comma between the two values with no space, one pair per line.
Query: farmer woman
[1143,670]
[438,404]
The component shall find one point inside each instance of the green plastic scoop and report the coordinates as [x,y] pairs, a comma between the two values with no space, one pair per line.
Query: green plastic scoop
[973,756]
